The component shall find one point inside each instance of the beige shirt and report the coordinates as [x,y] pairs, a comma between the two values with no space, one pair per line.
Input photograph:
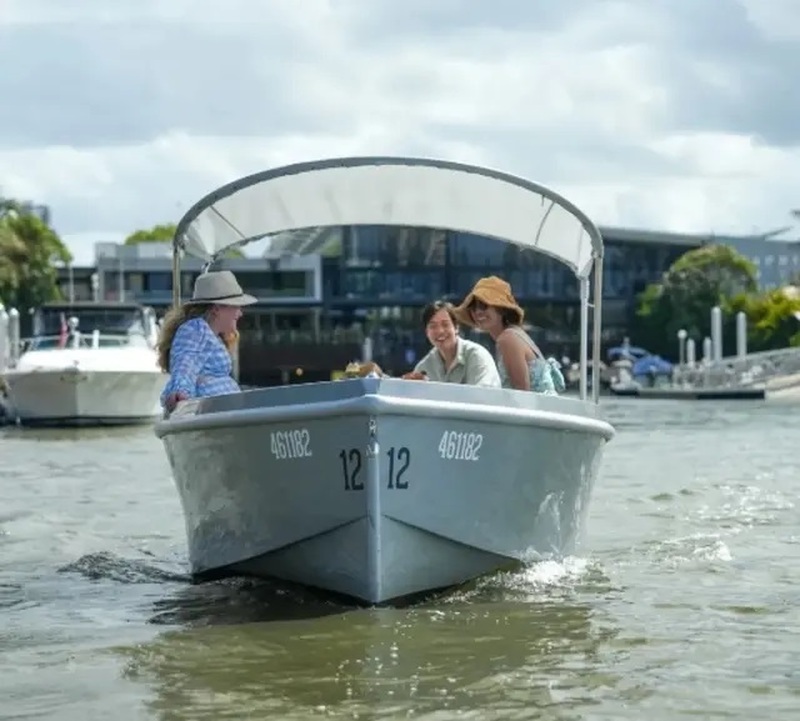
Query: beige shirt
[473,366]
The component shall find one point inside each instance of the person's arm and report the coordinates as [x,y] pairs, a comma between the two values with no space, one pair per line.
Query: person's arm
[481,370]
[420,372]
[186,359]
[513,350]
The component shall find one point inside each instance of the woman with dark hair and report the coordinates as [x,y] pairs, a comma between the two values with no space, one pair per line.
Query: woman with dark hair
[452,359]
[490,306]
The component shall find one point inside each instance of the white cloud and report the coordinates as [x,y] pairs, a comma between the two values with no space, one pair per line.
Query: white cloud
[778,19]
[669,115]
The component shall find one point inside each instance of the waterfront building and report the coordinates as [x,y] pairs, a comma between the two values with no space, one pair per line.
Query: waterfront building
[324,291]
[777,261]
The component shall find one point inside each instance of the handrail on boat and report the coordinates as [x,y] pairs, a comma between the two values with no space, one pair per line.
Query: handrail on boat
[401,191]
[94,339]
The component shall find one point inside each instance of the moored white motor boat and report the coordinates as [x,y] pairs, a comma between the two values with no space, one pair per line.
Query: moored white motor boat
[108,375]
[381,489]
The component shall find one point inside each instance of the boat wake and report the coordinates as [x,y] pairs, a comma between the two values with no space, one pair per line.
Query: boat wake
[106,566]
[542,580]
[241,600]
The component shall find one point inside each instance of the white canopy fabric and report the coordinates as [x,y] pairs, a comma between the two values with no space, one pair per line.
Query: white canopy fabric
[391,191]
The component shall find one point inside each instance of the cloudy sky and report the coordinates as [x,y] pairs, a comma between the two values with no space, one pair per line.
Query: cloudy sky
[665,114]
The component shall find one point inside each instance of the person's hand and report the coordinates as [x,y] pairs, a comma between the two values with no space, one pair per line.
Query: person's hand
[173,399]
[414,376]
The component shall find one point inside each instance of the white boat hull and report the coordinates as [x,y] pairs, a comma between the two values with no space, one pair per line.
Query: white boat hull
[86,387]
[381,489]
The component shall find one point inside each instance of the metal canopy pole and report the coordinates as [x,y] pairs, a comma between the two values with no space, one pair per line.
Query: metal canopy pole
[597,319]
[583,360]
[176,275]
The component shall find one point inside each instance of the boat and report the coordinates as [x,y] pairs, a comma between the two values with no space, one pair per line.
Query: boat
[641,374]
[87,363]
[375,489]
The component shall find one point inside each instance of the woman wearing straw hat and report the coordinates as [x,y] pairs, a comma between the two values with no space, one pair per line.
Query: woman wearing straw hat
[197,339]
[490,306]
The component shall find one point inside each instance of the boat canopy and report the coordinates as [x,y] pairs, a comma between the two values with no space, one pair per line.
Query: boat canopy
[410,192]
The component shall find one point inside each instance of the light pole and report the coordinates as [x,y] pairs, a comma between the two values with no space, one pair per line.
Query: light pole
[67,265]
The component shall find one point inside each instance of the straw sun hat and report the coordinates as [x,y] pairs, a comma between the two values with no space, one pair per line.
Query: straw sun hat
[492,291]
[219,287]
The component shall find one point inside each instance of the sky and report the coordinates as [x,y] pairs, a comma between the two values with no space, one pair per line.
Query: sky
[662,114]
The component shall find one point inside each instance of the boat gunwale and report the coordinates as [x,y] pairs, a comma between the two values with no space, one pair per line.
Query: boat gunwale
[374,404]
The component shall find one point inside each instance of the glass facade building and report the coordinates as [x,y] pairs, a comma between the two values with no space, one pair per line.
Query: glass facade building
[330,289]
[382,276]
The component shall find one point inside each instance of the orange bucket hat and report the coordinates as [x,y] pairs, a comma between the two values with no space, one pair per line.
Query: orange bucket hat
[492,291]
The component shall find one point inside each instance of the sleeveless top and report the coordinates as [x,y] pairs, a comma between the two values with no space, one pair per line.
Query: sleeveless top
[544,375]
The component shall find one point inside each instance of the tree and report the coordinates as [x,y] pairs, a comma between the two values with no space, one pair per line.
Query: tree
[772,319]
[29,247]
[695,283]
[164,233]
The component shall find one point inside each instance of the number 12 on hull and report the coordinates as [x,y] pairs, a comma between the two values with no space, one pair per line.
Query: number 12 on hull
[397,462]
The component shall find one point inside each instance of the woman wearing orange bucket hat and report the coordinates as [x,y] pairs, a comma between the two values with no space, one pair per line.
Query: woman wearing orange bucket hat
[491,307]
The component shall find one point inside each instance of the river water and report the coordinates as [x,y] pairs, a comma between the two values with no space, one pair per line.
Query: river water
[684,602]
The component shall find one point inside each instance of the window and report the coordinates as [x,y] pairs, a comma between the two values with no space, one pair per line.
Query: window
[134,282]
[47,321]
[468,250]
[393,246]
[384,283]
[158,282]
[187,284]
[280,283]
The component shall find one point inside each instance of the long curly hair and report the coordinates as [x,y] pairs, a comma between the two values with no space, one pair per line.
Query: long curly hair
[174,319]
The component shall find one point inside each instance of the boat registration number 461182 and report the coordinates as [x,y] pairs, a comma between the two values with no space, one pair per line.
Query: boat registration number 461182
[458,446]
[288,445]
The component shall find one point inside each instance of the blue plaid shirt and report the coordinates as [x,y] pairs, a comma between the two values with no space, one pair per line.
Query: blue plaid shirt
[199,363]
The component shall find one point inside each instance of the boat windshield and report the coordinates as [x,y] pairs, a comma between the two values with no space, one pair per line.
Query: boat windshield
[129,320]
[51,342]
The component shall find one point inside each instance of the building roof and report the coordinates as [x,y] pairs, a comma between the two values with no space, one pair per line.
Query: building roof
[315,240]
[661,237]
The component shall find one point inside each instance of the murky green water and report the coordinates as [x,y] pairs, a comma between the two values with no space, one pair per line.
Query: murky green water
[684,604]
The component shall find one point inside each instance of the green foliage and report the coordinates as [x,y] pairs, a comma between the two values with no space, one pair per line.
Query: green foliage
[28,250]
[772,322]
[157,234]
[695,283]
[164,233]
[724,269]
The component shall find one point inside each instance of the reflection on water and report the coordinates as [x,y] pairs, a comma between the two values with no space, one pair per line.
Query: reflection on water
[241,601]
[262,651]
[382,661]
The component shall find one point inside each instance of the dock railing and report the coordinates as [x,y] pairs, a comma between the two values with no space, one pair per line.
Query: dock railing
[774,367]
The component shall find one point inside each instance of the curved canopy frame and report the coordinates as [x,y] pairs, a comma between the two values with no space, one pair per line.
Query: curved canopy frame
[396,191]
[391,191]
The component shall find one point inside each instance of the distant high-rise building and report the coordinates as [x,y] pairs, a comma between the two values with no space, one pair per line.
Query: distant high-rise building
[38,209]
